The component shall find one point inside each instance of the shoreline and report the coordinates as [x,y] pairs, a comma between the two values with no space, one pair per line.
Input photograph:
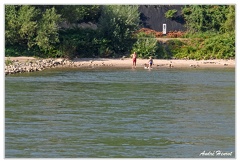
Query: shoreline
[157,63]
[30,64]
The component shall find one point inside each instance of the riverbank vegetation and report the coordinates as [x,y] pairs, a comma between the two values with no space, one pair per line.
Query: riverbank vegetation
[112,31]
[211,32]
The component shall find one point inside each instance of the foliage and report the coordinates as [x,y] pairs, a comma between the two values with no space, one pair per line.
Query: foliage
[77,42]
[8,62]
[202,18]
[79,13]
[229,24]
[34,30]
[170,13]
[47,33]
[221,46]
[173,47]
[212,32]
[145,46]
[142,34]
[117,24]
[40,33]
[20,25]
[17,50]
[29,30]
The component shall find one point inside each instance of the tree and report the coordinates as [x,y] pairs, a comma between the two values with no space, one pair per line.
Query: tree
[229,24]
[202,18]
[79,13]
[47,33]
[28,27]
[21,25]
[117,24]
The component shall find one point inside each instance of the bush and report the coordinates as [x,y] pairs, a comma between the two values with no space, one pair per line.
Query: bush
[16,51]
[145,46]
[28,29]
[219,46]
[117,25]
[78,42]
[214,46]
[8,62]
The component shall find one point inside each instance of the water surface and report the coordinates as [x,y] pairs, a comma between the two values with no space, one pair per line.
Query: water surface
[98,113]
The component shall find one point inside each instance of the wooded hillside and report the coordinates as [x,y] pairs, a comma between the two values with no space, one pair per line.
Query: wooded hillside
[38,30]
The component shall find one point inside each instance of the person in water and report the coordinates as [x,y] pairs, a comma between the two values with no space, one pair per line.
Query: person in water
[134,57]
[150,62]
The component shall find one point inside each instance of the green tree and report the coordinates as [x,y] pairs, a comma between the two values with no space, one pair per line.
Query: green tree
[47,33]
[28,28]
[117,25]
[214,26]
[146,47]
[79,13]
[11,27]
[202,18]
[229,24]
[20,25]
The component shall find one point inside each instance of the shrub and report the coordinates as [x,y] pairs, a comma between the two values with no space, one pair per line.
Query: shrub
[145,46]
[214,46]
[117,25]
[8,62]
[78,42]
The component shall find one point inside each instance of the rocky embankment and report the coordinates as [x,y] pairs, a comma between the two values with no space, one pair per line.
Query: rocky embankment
[17,66]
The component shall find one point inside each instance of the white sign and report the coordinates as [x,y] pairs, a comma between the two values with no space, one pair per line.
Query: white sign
[164,29]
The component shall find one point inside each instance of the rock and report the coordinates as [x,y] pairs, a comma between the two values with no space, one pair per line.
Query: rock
[60,60]
[123,57]
[194,66]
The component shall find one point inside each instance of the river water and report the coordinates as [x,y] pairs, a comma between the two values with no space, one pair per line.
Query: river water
[115,113]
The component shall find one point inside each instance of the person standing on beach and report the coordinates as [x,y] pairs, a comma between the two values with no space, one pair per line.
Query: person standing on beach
[134,57]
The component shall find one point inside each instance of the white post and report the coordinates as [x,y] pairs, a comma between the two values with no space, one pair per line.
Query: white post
[164,29]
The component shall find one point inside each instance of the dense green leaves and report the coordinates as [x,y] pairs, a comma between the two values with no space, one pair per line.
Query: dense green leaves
[40,30]
[29,28]
[117,24]
[47,33]
[79,13]
[21,25]
[202,18]
[218,46]
[79,42]
[229,24]
[170,13]
[145,46]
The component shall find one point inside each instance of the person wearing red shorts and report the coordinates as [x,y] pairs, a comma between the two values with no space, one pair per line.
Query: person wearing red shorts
[134,57]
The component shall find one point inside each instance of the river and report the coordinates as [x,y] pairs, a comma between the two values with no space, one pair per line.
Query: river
[120,113]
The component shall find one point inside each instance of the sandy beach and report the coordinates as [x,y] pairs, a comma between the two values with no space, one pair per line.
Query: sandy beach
[157,63]
[127,62]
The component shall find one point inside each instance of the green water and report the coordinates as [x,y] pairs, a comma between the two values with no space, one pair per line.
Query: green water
[90,113]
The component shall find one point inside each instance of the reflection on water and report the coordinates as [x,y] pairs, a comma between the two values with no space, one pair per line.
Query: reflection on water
[163,113]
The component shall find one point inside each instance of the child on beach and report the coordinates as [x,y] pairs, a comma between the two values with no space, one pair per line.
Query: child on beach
[134,57]
[150,62]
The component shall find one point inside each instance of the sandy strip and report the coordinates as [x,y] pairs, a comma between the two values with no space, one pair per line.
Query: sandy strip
[158,63]
[127,62]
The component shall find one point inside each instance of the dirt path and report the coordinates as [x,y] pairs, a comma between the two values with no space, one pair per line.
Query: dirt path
[167,39]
